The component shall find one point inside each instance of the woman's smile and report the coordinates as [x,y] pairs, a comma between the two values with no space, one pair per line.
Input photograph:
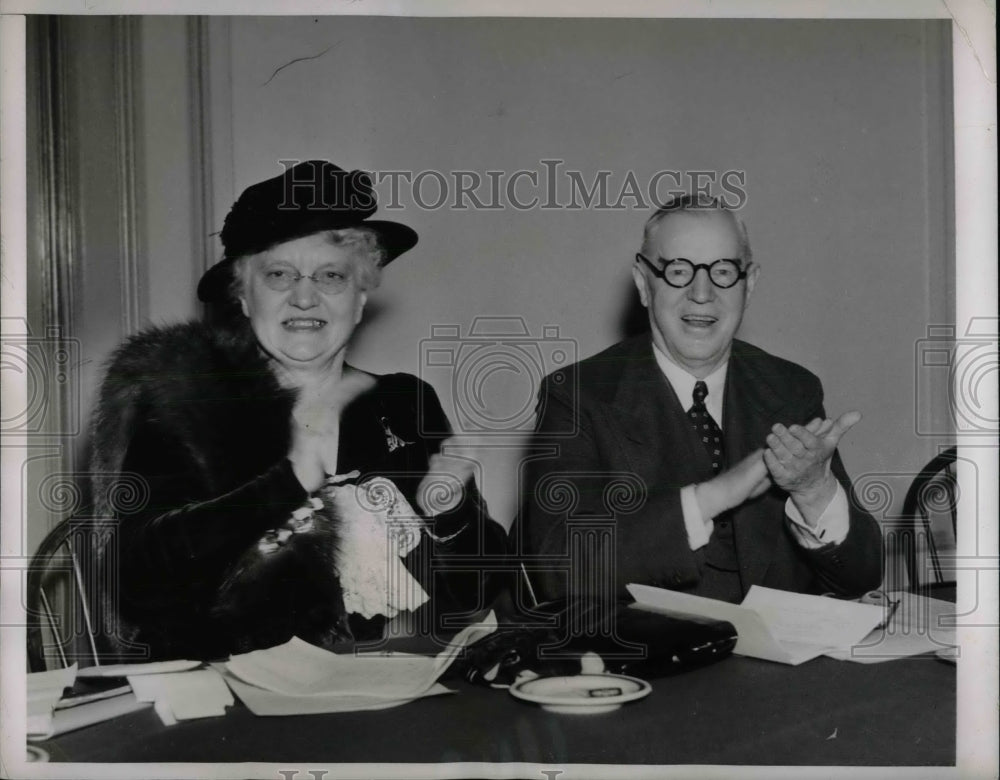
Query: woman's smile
[303,324]
[301,320]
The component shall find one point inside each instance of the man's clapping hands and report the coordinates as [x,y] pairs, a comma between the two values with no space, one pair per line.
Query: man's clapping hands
[796,459]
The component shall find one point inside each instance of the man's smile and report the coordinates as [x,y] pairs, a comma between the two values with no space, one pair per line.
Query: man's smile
[699,320]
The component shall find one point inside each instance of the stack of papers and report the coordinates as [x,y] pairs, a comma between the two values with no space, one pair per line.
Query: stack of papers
[183,695]
[45,689]
[297,678]
[176,692]
[775,625]
[919,625]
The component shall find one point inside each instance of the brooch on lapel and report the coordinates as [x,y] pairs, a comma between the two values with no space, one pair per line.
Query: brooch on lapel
[393,441]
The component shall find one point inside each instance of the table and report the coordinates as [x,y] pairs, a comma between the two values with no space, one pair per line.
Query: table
[738,711]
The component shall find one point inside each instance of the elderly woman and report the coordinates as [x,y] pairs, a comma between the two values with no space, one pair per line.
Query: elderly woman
[278,490]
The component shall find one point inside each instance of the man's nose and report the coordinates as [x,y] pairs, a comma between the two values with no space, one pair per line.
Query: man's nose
[304,293]
[701,289]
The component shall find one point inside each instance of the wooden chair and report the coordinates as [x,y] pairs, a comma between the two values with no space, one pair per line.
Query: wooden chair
[933,493]
[62,578]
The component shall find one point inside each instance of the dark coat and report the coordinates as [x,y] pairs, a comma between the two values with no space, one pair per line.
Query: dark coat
[615,419]
[192,419]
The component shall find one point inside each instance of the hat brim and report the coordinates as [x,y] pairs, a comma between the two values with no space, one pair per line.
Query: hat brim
[394,237]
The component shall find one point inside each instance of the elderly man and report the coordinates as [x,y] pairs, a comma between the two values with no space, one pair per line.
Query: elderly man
[727,448]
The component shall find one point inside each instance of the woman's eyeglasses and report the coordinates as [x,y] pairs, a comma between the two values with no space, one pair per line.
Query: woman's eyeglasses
[327,280]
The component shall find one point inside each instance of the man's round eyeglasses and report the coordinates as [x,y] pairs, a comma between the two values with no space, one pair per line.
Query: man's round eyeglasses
[680,271]
[327,280]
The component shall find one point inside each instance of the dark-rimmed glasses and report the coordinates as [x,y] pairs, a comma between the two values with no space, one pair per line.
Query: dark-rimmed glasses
[680,271]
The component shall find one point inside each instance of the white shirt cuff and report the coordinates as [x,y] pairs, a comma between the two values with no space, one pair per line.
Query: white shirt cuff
[831,528]
[698,529]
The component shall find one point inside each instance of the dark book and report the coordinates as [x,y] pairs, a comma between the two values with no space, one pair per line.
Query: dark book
[88,689]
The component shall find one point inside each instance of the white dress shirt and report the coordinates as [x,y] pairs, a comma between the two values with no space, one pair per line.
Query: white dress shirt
[833,524]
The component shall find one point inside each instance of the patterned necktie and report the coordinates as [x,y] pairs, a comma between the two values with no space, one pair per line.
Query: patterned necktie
[706,428]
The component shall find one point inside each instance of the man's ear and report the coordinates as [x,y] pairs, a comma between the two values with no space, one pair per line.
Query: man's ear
[243,306]
[752,273]
[641,284]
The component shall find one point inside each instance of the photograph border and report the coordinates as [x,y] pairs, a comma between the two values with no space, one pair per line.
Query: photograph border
[975,188]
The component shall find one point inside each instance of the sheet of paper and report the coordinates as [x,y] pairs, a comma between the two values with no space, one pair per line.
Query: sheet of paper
[262,702]
[86,715]
[813,620]
[44,690]
[920,625]
[297,668]
[128,670]
[183,695]
[775,625]
[755,639]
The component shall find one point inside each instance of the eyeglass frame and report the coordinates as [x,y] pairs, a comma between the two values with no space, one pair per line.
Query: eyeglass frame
[661,273]
[882,599]
[297,276]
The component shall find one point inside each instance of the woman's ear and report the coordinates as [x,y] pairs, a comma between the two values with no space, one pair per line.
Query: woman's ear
[360,306]
[239,270]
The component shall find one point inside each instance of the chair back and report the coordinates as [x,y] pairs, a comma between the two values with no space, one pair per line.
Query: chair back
[933,493]
[62,581]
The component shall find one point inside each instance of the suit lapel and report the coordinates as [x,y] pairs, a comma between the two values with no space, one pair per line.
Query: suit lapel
[651,427]
[750,411]
[657,437]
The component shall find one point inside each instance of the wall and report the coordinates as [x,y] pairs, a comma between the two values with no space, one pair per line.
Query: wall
[842,129]
[115,194]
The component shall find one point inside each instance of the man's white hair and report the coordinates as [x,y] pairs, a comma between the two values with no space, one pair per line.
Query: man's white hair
[695,205]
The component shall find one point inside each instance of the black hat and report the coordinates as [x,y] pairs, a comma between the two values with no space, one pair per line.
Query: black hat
[308,198]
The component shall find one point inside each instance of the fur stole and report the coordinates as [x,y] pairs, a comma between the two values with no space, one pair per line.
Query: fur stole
[227,419]
[202,384]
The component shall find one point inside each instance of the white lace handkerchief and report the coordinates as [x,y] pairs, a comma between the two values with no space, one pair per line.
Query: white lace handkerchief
[378,528]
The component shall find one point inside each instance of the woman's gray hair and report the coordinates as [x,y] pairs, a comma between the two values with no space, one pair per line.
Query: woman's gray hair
[367,252]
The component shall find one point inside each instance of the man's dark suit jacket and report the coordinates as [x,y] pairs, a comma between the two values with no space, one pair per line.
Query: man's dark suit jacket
[624,442]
